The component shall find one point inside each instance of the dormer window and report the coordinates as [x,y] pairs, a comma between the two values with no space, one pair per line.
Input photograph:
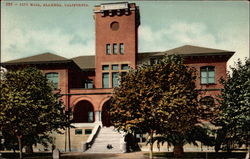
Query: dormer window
[207,75]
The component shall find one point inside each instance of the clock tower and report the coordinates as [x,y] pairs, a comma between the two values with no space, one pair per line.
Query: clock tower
[116,29]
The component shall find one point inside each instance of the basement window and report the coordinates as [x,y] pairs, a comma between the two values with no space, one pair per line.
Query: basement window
[78,131]
[88,131]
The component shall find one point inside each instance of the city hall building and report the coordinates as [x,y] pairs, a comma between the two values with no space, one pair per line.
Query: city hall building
[87,82]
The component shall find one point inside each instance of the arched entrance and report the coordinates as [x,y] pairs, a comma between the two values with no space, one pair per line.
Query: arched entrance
[83,112]
[105,114]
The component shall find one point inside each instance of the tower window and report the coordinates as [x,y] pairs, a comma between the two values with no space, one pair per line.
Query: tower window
[121,48]
[115,67]
[207,75]
[108,51]
[105,80]
[115,49]
[53,77]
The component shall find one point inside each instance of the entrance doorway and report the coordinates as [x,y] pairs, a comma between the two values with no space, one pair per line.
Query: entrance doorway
[105,115]
[83,112]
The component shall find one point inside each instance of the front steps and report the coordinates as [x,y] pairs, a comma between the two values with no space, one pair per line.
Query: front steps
[108,136]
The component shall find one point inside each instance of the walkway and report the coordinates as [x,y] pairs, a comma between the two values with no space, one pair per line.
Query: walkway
[75,155]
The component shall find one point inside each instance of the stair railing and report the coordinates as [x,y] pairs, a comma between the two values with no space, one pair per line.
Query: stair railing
[92,137]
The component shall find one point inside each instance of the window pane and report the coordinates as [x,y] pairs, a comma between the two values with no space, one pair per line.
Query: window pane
[207,75]
[115,79]
[115,48]
[53,77]
[210,68]
[211,80]
[105,67]
[105,80]
[203,80]
[123,74]
[108,49]
[211,74]
[114,67]
[122,48]
[124,66]
[90,116]
[88,83]
[203,74]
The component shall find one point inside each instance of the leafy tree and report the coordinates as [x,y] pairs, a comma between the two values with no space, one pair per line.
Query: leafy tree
[29,106]
[198,133]
[156,99]
[234,117]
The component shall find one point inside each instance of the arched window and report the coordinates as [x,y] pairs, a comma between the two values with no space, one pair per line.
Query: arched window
[207,75]
[207,101]
[53,77]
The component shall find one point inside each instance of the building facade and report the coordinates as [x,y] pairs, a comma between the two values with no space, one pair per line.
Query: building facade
[86,82]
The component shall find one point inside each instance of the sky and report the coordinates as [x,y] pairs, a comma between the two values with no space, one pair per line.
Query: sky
[68,31]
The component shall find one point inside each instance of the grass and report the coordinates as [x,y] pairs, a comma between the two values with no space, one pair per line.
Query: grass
[203,155]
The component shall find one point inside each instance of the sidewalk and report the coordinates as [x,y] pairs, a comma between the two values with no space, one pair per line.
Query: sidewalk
[76,155]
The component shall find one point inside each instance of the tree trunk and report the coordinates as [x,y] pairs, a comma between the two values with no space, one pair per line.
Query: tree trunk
[20,146]
[178,150]
[29,149]
[151,145]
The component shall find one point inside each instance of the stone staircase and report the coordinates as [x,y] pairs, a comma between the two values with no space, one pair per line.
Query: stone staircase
[107,136]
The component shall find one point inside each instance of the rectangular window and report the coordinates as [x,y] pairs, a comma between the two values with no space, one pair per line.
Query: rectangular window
[121,48]
[207,75]
[115,76]
[105,80]
[88,131]
[90,117]
[115,49]
[78,131]
[115,67]
[53,77]
[123,74]
[124,66]
[108,51]
[88,84]
[105,67]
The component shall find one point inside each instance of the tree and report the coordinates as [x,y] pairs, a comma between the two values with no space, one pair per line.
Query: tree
[29,105]
[199,133]
[234,102]
[156,99]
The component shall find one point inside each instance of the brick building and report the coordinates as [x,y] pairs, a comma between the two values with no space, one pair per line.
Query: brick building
[86,82]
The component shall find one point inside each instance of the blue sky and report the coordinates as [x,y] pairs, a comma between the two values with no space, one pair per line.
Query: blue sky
[69,31]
